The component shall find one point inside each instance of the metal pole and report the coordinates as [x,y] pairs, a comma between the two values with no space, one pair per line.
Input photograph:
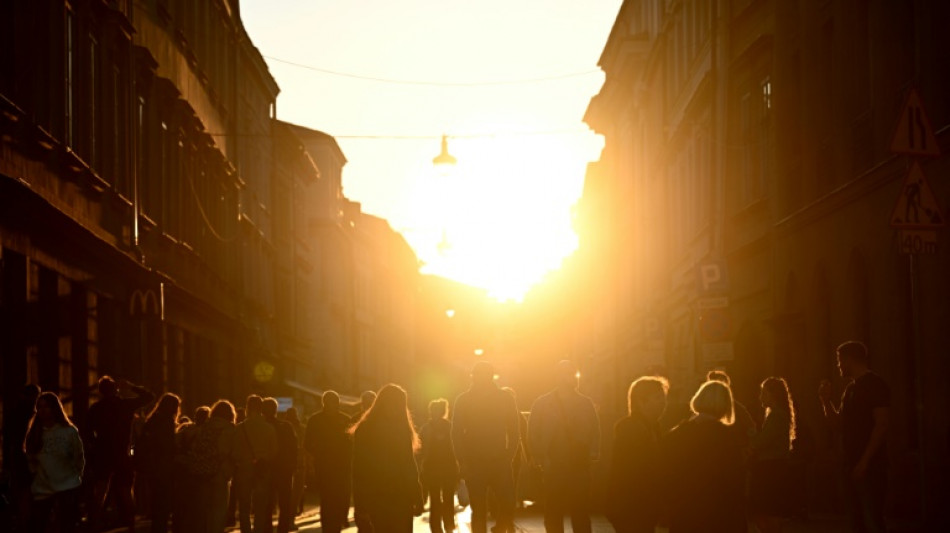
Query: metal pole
[918,383]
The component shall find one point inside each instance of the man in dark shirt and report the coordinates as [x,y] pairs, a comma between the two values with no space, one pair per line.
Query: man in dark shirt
[108,432]
[327,440]
[486,437]
[284,466]
[862,419]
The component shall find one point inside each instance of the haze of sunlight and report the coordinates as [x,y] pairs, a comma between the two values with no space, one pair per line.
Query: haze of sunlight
[503,215]
[501,219]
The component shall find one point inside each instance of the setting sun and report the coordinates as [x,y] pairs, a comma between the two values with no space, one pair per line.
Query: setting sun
[502,218]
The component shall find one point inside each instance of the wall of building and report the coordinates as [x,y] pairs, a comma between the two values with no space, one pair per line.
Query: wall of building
[756,135]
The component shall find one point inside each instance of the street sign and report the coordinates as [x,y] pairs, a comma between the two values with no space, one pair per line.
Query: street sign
[917,206]
[715,325]
[917,242]
[284,403]
[712,277]
[717,352]
[914,135]
[712,303]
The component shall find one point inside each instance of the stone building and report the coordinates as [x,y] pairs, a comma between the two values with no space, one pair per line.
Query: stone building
[138,218]
[750,211]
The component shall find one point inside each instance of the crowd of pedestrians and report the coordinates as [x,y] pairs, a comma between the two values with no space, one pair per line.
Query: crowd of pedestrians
[715,471]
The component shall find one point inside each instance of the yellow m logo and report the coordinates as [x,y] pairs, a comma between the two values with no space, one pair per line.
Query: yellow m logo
[144,303]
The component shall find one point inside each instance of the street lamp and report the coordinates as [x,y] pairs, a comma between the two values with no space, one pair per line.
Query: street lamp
[444,160]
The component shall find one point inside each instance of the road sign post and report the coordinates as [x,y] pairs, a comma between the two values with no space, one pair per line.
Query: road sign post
[917,217]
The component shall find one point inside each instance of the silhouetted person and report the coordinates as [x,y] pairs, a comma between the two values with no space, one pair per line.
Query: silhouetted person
[329,443]
[633,503]
[564,438]
[155,453]
[862,419]
[367,397]
[254,450]
[701,465]
[300,470]
[521,455]
[386,488]
[486,438]
[187,491]
[770,497]
[440,471]
[218,434]
[232,491]
[14,459]
[744,426]
[187,430]
[284,465]
[55,456]
[108,431]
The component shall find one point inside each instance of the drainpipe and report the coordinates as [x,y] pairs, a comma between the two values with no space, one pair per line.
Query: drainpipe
[135,135]
[718,141]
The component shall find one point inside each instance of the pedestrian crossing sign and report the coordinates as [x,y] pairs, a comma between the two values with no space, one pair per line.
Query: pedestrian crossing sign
[917,206]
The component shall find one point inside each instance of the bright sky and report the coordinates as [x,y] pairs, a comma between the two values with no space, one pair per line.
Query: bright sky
[522,149]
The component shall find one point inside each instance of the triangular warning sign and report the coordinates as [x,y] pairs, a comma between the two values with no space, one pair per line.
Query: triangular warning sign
[914,135]
[917,205]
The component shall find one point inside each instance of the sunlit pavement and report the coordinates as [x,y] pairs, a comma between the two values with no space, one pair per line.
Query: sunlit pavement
[530,520]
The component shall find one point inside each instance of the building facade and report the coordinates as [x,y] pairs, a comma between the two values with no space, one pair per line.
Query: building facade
[744,212]
[156,220]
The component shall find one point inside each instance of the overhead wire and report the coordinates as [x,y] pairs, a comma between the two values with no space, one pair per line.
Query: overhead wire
[480,135]
[490,83]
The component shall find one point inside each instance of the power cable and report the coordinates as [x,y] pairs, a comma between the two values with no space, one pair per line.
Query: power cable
[482,135]
[524,81]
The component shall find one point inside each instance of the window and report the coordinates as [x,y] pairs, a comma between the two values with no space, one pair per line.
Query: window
[117,178]
[70,93]
[755,111]
[92,336]
[92,155]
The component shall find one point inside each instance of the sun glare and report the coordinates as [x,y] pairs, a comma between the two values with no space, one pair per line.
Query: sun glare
[504,215]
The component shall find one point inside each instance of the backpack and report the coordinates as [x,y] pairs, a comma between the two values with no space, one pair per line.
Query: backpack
[203,458]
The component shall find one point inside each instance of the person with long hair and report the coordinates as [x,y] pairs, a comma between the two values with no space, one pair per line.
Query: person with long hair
[218,431]
[702,471]
[155,454]
[386,488]
[769,454]
[55,455]
[632,503]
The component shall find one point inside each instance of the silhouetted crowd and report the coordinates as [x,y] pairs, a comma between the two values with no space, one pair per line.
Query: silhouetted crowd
[716,471]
